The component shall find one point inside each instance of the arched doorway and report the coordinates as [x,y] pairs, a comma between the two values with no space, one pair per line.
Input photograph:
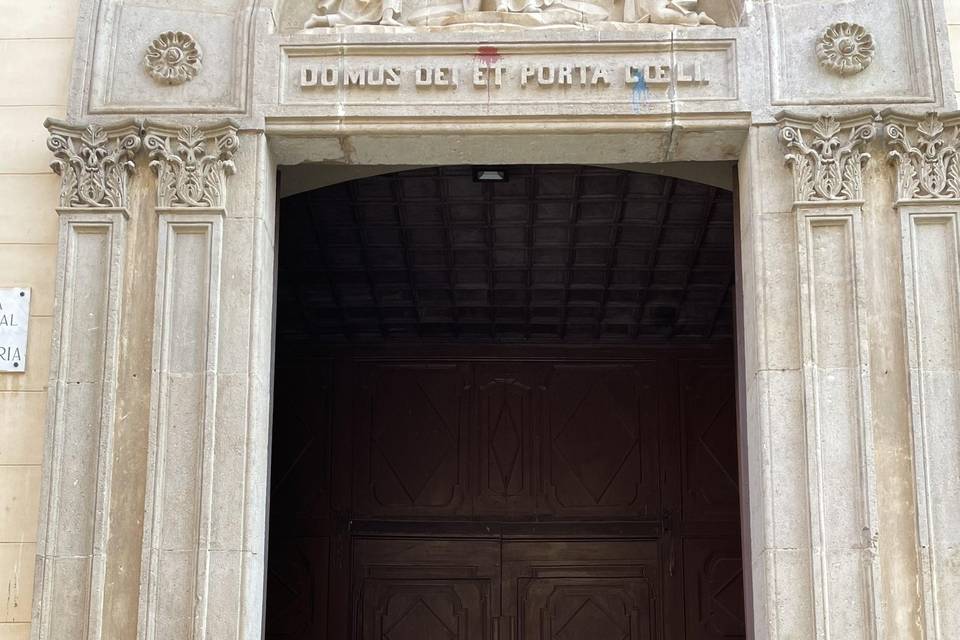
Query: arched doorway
[505,408]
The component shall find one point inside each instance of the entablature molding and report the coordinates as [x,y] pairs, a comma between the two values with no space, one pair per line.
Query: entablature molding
[509,58]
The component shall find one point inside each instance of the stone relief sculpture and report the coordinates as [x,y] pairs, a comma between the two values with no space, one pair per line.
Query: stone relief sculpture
[173,57]
[925,156]
[675,12]
[94,163]
[845,48]
[192,164]
[332,13]
[827,157]
[517,13]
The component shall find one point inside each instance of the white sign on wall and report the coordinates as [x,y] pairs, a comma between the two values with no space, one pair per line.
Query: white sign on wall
[14,323]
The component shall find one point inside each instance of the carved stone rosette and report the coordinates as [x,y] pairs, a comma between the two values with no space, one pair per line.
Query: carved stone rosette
[191,163]
[845,48]
[925,152]
[173,58]
[94,162]
[827,156]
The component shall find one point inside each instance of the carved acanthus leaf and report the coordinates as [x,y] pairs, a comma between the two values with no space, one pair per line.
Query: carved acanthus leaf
[925,152]
[192,163]
[94,162]
[827,157]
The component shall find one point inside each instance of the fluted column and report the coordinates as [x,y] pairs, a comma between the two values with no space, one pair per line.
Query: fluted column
[94,163]
[925,152]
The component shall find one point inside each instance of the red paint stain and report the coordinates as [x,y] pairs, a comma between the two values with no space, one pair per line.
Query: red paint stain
[488,54]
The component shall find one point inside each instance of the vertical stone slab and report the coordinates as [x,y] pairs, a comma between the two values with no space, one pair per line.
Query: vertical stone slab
[827,159]
[94,164]
[180,570]
[182,428]
[771,415]
[839,441]
[928,203]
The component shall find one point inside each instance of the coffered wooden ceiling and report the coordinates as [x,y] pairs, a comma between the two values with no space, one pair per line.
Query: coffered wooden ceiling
[555,254]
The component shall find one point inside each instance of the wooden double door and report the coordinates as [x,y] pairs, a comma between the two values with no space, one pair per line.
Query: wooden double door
[506,495]
[427,589]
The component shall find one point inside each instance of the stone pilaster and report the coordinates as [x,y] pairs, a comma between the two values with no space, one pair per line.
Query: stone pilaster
[94,163]
[192,569]
[926,154]
[827,158]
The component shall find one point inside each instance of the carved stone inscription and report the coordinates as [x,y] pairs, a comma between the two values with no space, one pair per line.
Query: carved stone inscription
[485,74]
[638,74]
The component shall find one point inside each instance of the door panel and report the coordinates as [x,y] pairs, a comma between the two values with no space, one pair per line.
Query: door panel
[709,434]
[713,586]
[601,438]
[301,519]
[422,589]
[509,401]
[425,610]
[554,589]
[586,609]
[709,528]
[411,440]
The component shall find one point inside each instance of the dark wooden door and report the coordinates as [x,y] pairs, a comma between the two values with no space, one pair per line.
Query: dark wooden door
[508,495]
[426,589]
[586,589]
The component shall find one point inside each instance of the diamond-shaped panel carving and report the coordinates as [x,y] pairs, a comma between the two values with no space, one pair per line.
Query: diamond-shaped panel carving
[591,622]
[505,444]
[718,444]
[596,449]
[411,435]
[723,582]
[419,623]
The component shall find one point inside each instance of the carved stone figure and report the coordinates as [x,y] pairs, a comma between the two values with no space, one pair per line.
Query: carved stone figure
[331,13]
[561,11]
[676,12]
[517,13]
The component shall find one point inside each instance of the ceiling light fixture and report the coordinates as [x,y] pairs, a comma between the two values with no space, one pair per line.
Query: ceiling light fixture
[490,174]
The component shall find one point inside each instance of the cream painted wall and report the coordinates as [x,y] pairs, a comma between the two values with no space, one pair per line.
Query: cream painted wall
[36,46]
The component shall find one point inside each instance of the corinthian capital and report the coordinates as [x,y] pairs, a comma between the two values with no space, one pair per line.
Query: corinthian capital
[94,162]
[827,156]
[192,163]
[924,151]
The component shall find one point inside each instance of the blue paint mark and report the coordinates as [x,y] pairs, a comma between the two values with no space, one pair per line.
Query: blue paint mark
[639,91]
